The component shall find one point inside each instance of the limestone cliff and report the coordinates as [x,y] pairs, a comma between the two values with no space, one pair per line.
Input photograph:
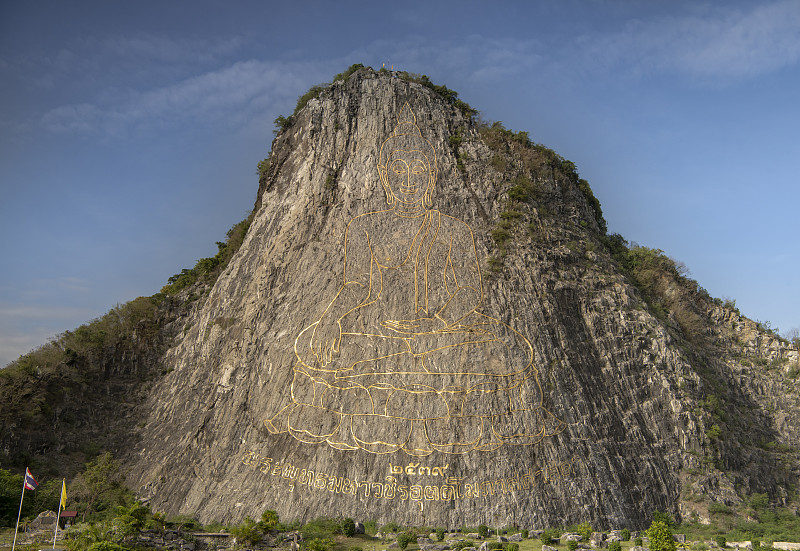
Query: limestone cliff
[462,352]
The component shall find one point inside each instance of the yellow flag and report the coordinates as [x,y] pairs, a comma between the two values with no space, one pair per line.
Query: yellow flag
[63,493]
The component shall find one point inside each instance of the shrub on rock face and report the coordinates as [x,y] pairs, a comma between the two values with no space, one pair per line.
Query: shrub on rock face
[660,536]
[637,542]
[626,534]
[614,546]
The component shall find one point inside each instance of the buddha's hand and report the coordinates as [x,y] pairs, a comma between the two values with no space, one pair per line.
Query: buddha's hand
[419,326]
[325,341]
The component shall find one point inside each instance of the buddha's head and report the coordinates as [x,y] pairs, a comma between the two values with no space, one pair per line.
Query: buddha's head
[407,163]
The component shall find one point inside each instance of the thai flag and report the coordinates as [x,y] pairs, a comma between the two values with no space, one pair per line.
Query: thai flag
[30,482]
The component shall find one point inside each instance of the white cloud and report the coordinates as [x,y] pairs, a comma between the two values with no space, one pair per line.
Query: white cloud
[745,45]
[713,44]
[474,57]
[228,95]
[708,43]
[722,43]
[236,92]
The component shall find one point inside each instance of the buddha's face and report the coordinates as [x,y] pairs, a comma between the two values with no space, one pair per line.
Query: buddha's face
[408,176]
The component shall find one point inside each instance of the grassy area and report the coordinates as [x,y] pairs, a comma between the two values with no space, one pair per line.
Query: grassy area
[698,537]
[369,543]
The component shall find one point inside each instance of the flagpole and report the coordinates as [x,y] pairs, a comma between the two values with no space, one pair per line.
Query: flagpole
[14,545]
[58,517]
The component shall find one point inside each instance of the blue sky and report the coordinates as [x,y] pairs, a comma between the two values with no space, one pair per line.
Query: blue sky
[130,131]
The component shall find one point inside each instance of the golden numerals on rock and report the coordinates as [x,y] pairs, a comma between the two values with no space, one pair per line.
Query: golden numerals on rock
[452,488]
[415,468]
[402,357]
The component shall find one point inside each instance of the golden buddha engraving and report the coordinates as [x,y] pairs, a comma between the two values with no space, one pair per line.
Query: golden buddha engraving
[402,358]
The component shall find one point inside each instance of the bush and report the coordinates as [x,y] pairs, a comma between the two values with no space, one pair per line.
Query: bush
[500,236]
[585,530]
[320,544]
[626,534]
[440,534]
[719,508]
[370,527]
[549,535]
[130,520]
[721,541]
[660,537]
[248,531]
[714,433]
[524,534]
[208,269]
[321,528]
[98,490]
[483,530]
[390,527]
[82,535]
[614,546]
[107,546]
[405,538]
[269,520]
[637,542]
[666,518]
[348,72]
[348,527]
[572,545]
[512,547]
[184,522]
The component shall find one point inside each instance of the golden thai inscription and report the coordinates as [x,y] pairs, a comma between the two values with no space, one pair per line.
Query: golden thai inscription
[403,358]
[415,468]
[450,489]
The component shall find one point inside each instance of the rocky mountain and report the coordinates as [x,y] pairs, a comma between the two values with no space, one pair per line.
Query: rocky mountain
[427,323]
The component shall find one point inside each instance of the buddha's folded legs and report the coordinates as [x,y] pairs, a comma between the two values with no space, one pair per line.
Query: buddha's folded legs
[416,437]
[397,397]
[473,386]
